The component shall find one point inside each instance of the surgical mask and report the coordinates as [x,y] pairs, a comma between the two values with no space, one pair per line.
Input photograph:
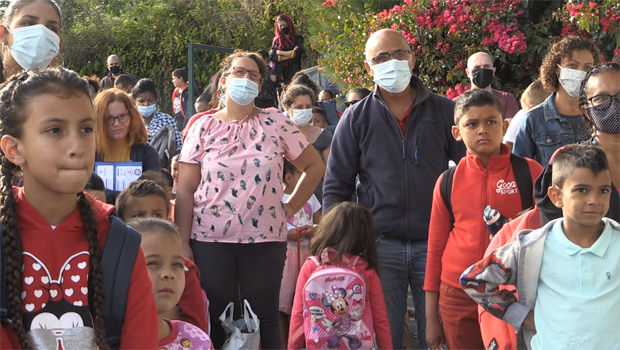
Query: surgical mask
[571,80]
[147,111]
[302,117]
[34,46]
[482,77]
[606,116]
[394,76]
[115,69]
[242,90]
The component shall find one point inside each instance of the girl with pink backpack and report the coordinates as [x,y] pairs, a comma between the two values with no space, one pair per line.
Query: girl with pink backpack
[338,300]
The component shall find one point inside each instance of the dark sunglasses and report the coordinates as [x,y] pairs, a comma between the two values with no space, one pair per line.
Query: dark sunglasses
[351,103]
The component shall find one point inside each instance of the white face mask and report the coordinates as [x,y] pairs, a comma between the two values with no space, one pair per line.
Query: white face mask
[571,80]
[34,46]
[394,75]
[301,117]
[242,90]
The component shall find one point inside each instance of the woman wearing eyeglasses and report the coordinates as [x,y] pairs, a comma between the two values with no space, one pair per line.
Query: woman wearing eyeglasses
[229,197]
[599,100]
[120,134]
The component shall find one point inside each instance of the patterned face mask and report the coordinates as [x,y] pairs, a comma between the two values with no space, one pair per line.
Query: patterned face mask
[606,116]
[571,80]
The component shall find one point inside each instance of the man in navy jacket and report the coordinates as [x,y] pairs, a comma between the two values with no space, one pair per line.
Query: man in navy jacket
[398,141]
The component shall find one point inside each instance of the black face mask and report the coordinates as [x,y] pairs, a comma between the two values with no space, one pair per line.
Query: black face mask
[285,30]
[482,77]
[115,69]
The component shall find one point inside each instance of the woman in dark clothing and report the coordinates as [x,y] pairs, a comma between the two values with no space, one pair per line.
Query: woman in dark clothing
[287,49]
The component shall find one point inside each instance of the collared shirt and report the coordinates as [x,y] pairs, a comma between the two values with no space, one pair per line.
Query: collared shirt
[542,132]
[158,121]
[578,303]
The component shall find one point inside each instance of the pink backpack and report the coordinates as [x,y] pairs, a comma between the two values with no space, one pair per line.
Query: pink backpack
[337,314]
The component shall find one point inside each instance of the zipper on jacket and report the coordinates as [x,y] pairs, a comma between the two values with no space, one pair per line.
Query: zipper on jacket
[404,167]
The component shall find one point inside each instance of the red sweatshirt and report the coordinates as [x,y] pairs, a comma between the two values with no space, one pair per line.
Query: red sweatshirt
[192,305]
[55,288]
[491,327]
[375,295]
[452,250]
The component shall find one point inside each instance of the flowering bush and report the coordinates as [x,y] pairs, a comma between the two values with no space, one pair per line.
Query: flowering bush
[444,33]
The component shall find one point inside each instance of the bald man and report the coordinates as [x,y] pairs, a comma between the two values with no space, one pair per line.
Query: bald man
[115,68]
[480,71]
[398,141]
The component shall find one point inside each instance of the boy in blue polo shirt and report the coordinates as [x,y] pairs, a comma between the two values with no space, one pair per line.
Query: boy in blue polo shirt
[567,274]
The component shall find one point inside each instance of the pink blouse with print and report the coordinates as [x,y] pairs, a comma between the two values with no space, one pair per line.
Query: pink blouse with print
[239,198]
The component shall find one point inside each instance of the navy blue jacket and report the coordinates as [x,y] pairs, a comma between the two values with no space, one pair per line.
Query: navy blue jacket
[396,174]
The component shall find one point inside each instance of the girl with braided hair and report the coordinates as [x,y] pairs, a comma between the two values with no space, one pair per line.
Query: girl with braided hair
[53,232]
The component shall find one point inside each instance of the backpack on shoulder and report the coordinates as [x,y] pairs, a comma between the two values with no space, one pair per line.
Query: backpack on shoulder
[523,177]
[336,310]
[117,261]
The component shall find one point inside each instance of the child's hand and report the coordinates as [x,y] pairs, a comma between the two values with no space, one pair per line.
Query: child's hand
[309,232]
[435,337]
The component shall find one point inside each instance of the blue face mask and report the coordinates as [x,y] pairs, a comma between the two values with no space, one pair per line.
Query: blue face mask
[147,111]
[394,75]
[34,46]
[242,90]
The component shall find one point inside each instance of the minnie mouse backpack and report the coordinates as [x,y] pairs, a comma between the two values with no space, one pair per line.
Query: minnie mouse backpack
[336,310]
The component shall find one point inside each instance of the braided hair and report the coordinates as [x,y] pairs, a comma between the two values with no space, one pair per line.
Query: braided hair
[15,96]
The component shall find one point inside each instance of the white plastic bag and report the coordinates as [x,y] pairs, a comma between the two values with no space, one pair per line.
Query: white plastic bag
[242,333]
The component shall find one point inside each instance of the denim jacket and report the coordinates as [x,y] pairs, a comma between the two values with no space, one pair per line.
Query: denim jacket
[542,132]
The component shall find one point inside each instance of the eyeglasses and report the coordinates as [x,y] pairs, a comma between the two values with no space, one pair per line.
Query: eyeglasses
[600,99]
[241,72]
[401,55]
[123,118]
[351,103]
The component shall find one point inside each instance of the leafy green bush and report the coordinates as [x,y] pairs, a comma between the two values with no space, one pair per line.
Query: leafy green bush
[151,36]
[444,33]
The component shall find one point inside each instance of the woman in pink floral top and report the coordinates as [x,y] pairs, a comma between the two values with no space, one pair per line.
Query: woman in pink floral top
[229,205]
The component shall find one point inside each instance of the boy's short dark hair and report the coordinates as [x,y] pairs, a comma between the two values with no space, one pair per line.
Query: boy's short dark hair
[95,183]
[180,73]
[475,98]
[140,188]
[362,91]
[571,157]
[157,176]
[321,111]
[123,80]
[329,92]
[205,97]
[534,94]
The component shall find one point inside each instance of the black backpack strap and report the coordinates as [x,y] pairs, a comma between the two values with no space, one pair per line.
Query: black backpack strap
[117,260]
[446,190]
[524,180]
[4,292]
[137,153]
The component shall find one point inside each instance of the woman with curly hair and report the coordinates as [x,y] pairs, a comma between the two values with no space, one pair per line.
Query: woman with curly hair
[557,121]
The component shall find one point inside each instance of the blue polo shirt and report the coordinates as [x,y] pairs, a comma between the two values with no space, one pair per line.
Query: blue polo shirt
[578,296]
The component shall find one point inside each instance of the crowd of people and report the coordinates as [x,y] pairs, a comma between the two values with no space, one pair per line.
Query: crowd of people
[321,219]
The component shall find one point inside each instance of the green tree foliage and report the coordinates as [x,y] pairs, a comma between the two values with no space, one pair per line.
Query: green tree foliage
[151,36]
